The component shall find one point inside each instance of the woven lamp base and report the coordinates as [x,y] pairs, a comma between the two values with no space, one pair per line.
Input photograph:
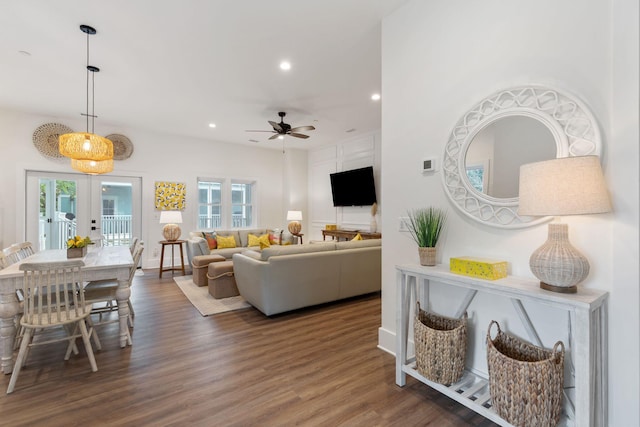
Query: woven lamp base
[558,265]
[295,227]
[171,232]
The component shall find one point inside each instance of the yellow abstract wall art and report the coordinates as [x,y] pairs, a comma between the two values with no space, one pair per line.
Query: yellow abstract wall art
[170,196]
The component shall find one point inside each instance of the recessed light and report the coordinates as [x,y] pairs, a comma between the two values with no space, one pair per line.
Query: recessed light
[212,125]
[375,97]
[285,65]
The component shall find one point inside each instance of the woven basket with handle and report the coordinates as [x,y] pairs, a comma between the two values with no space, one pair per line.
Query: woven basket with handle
[440,346]
[525,380]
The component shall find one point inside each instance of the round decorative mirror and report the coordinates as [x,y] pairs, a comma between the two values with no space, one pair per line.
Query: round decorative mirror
[512,127]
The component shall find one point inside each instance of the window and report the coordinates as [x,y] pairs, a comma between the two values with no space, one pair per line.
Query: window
[209,204]
[220,208]
[242,204]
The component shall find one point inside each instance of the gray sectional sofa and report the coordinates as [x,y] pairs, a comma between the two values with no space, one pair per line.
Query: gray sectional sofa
[284,278]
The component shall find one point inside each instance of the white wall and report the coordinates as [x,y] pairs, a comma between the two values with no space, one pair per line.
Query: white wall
[440,58]
[156,157]
[352,153]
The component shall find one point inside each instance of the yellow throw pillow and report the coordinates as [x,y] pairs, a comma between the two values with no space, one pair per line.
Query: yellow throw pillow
[252,240]
[226,242]
[262,241]
[264,245]
[357,237]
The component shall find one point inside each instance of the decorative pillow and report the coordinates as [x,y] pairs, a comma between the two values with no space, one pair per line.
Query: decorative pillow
[275,237]
[261,241]
[264,245]
[210,237]
[357,237]
[226,242]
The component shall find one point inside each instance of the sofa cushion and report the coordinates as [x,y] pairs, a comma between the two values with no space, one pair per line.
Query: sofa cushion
[225,242]
[253,254]
[210,237]
[296,249]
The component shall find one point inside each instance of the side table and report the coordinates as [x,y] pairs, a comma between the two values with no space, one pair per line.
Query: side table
[172,243]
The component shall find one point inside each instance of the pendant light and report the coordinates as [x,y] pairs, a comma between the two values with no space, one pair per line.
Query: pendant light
[92,167]
[87,148]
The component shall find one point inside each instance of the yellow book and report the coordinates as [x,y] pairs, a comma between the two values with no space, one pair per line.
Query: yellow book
[482,268]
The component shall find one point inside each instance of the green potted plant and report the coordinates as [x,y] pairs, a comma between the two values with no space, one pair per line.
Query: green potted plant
[425,226]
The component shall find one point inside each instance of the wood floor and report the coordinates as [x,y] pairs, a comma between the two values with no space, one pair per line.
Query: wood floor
[313,367]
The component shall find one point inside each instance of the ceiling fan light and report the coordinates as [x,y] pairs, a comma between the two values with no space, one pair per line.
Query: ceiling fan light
[280,136]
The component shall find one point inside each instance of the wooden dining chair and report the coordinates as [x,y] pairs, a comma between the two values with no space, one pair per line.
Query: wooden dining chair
[54,298]
[104,291]
[25,249]
[12,253]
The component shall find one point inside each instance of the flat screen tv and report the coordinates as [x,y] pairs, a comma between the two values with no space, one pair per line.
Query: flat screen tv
[353,187]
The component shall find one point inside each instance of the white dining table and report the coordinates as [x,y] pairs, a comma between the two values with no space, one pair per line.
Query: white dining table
[100,263]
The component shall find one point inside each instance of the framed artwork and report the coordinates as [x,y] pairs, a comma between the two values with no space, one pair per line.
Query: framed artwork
[170,196]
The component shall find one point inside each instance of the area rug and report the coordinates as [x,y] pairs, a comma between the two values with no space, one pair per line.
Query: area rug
[205,303]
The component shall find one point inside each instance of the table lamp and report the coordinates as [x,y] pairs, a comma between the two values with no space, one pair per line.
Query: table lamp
[294,218]
[171,231]
[564,186]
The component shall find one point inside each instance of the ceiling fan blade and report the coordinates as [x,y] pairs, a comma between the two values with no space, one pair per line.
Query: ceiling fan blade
[274,136]
[299,135]
[301,128]
[276,126]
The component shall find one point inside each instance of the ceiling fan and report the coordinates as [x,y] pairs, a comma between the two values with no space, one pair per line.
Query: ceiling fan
[283,128]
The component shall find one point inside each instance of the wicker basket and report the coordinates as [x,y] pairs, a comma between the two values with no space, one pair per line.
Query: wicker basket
[525,380]
[440,345]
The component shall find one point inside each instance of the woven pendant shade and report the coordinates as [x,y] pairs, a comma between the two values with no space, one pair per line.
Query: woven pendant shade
[92,167]
[85,146]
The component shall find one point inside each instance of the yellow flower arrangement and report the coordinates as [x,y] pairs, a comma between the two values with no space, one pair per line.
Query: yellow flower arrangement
[78,242]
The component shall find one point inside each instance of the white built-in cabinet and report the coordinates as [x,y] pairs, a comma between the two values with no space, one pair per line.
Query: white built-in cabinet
[585,406]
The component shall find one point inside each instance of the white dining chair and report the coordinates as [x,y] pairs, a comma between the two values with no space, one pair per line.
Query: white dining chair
[25,249]
[12,253]
[104,291]
[54,298]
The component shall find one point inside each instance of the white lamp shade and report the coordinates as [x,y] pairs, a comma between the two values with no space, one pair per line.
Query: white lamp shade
[294,216]
[170,217]
[564,186]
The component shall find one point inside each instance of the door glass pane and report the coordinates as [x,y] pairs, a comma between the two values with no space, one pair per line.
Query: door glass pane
[57,216]
[116,213]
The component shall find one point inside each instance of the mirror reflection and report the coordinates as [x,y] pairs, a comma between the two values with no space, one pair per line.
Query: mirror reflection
[494,157]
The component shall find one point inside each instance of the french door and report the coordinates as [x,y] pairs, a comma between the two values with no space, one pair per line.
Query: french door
[60,205]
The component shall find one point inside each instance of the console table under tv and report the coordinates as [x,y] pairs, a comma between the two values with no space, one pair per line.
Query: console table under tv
[349,234]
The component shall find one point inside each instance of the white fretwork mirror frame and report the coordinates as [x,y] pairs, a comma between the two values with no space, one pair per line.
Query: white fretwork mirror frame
[572,125]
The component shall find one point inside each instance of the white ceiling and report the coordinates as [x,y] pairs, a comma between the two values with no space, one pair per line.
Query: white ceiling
[176,66]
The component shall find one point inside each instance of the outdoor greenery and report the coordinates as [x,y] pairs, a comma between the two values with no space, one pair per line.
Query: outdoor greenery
[425,225]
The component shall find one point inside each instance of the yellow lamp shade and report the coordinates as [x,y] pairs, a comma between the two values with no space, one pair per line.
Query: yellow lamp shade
[92,167]
[85,146]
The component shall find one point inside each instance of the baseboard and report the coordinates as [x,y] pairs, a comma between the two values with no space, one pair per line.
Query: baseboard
[387,341]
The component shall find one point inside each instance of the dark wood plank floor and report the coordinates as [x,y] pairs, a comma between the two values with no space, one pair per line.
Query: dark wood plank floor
[312,367]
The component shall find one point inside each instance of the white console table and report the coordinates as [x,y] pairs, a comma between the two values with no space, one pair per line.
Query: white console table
[588,322]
